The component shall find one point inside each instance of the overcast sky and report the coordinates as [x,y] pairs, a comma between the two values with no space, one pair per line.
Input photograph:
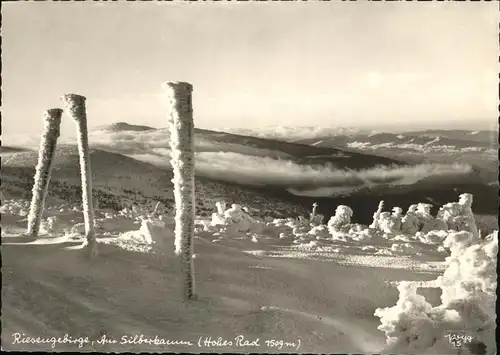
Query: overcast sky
[254,64]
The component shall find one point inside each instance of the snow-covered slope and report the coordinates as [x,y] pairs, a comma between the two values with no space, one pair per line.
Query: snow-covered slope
[120,181]
[288,285]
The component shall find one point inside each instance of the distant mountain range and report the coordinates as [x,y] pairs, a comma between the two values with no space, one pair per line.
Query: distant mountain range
[478,148]
[294,134]
[421,140]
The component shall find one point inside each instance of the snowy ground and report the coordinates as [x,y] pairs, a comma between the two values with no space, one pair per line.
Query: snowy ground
[255,294]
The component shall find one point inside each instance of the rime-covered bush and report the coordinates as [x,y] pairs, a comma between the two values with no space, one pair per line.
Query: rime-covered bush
[153,236]
[341,220]
[301,228]
[468,300]
[433,237]
[458,215]
[280,226]
[425,219]
[48,225]
[233,220]
[389,224]
[314,217]
[410,221]
[318,219]
[376,215]
[466,220]
[319,232]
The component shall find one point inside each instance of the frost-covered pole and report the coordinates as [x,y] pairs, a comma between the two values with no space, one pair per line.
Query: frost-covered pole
[48,143]
[181,128]
[75,106]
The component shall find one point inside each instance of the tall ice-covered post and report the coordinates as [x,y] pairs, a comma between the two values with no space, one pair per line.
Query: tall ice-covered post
[48,144]
[76,108]
[181,128]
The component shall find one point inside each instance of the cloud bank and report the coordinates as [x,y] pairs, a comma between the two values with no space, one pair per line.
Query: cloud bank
[241,164]
[262,171]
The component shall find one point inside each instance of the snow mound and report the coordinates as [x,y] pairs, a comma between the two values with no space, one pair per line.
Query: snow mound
[153,236]
[232,221]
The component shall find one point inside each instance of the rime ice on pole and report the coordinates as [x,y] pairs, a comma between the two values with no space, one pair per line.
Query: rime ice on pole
[181,126]
[76,108]
[48,144]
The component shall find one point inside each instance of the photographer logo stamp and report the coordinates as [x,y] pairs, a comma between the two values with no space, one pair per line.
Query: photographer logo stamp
[459,339]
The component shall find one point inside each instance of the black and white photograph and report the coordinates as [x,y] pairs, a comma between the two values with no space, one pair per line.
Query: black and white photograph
[311,177]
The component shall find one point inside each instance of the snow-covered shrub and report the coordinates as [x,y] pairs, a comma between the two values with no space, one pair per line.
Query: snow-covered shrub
[340,220]
[76,108]
[319,232]
[410,221]
[234,220]
[280,225]
[48,144]
[316,218]
[467,302]
[218,219]
[221,207]
[449,214]
[181,128]
[385,224]
[301,228]
[458,216]
[48,225]
[467,221]
[361,233]
[397,212]
[376,215]
[439,223]
[153,236]
[397,218]
[389,224]
[157,234]
[433,237]
[425,219]
[411,325]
